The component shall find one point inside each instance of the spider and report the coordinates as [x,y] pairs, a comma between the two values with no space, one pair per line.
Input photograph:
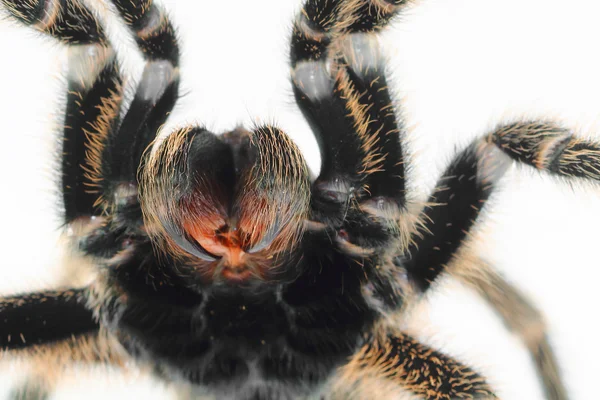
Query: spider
[355,222]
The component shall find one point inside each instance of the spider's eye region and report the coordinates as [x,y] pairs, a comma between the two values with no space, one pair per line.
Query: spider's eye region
[336,190]
[127,243]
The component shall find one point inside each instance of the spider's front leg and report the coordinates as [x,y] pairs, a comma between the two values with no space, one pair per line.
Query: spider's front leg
[99,162]
[340,86]
[359,198]
[341,89]
[101,153]
[92,107]
[94,94]
[155,95]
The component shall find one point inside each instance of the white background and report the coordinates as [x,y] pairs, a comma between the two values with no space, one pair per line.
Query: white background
[459,67]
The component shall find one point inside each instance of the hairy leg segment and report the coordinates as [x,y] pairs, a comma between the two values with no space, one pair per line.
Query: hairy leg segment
[340,86]
[102,148]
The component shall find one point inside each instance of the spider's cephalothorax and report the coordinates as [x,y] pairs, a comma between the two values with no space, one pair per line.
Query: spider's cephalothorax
[223,267]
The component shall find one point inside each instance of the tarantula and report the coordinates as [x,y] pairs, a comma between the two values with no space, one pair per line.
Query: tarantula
[223,266]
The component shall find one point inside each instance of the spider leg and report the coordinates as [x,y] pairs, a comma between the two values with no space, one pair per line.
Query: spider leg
[42,318]
[440,245]
[101,155]
[340,85]
[395,364]
[322,21]
[452,209]
[55,328]
[69,21]
[95,155]
[549,147]
[521,317]
[155,96]
[93,95]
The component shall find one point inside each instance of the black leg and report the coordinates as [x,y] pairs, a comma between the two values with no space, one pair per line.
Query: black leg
[520,316]
[451,212]
[93,95]
[549,147]
[43,318]
[101,155]
[394,364]
[67,20]
[55,327]
[92,113]
[154,99]
[368,15]
[340,86]
[321,22]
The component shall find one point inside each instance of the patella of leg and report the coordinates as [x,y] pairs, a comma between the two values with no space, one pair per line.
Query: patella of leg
[397,364]
[155,96]
[521,317]
[549,147]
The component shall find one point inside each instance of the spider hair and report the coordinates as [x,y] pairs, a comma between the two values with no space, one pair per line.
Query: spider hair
[222,265]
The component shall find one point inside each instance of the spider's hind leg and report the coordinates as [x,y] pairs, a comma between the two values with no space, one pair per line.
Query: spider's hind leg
[441,245]
[395,365]
[521,317]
